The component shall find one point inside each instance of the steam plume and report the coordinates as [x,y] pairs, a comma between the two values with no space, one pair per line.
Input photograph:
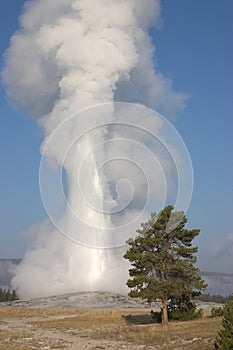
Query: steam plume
[67,56]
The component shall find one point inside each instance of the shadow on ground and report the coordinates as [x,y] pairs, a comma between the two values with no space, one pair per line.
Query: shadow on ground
[139,319]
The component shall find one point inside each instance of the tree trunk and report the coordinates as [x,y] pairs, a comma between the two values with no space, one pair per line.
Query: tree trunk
[164,312]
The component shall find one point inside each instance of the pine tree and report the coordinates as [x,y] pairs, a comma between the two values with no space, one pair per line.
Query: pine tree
[7,295]
[162,259]
[225,335]
[13,296]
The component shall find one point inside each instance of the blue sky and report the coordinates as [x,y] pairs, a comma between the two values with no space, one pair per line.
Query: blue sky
[194,49]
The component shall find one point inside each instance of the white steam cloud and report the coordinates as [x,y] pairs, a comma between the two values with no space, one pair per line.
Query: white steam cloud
[67,56]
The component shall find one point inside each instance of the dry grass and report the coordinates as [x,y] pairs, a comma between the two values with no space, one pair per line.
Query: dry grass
[14,320]
[138,329]
[18,340]
[115,325]
[9,312]
[89,319]
[12,340]
[198,334]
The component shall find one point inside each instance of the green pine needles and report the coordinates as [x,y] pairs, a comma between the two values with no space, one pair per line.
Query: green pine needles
[162,259]
[225,335]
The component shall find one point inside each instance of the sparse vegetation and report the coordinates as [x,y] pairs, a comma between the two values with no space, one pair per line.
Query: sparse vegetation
[137,328]
[99,325]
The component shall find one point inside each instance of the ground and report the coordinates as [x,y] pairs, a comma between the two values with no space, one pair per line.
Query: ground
[99,320]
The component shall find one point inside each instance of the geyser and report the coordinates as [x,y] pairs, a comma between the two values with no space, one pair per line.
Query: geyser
[67,65]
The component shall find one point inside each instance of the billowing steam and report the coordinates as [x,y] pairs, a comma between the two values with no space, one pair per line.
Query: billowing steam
[68,56]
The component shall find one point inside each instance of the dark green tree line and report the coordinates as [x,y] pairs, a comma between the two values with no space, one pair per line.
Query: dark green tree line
[7,295]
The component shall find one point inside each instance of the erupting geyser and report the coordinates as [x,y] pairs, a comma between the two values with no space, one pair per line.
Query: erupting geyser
[67,64]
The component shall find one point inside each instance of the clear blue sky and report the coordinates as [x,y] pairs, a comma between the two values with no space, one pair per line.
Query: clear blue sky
[194,48]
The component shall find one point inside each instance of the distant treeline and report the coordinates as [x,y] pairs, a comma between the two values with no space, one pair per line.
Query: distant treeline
[7,295]
[213,298]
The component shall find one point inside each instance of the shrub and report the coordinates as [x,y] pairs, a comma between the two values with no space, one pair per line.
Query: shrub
[216,311]
[183,309]
[185,315]
[156,316]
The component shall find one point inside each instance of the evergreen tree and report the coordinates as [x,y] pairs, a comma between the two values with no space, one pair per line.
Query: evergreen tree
[225,335]
[13,296]
[162,259]
[7,295]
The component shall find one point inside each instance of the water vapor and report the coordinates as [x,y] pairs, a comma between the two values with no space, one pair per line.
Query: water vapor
[67,66]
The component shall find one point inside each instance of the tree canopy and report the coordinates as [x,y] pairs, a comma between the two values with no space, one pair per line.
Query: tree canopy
[162,259]
[225,335]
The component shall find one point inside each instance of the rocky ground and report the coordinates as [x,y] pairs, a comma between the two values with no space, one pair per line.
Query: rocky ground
[95,300]
[84,300]
[55,339]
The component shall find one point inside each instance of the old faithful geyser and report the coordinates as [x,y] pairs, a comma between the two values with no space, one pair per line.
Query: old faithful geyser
[67,66]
